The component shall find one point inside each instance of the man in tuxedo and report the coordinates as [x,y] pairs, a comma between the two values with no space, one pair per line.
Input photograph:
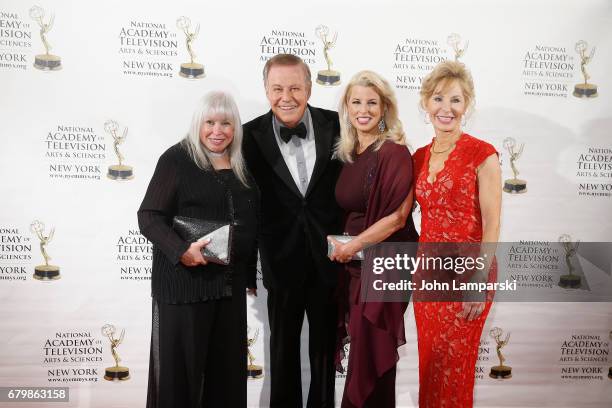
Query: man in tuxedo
[289,153]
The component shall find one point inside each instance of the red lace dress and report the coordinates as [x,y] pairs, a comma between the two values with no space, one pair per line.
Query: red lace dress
[450,212]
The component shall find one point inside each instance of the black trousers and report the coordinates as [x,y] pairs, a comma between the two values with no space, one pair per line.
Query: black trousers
[286,308]
[198,354]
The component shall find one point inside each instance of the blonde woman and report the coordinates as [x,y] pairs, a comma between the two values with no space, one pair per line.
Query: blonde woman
[458,187]
[375,191]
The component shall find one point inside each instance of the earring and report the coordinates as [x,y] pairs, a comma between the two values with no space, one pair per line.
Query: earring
[381,125]
[426,119]
[463,120]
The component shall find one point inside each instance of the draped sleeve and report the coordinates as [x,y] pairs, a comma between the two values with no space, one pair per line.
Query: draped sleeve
[380,325]
[392,183]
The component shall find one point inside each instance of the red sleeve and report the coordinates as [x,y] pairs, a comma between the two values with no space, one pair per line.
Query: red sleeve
[483,151]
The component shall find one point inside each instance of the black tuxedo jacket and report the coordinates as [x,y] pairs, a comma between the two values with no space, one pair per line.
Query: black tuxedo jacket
[293,244]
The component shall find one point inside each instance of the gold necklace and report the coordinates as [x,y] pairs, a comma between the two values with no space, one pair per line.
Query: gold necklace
[433,150]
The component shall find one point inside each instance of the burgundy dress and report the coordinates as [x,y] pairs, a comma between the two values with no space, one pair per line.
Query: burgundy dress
[370,188]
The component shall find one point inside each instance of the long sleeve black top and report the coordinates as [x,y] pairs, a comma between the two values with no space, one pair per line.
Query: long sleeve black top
[180,187]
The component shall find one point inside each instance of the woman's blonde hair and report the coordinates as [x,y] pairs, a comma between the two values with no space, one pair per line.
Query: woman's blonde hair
[445,73]
[345,148]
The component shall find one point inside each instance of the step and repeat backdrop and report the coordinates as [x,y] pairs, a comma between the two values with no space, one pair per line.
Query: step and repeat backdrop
[92,92]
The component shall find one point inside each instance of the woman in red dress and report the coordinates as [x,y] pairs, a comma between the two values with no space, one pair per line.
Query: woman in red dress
[375,190]
[458,187]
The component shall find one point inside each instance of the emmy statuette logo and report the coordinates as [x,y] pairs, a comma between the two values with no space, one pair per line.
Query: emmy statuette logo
[46,61]
[570,280]
[44,272]
[118,171]
[454,40]
[585,90]
[117,372]
[327,77]
[253,371]
[514,185]
[191,69]
[500,371]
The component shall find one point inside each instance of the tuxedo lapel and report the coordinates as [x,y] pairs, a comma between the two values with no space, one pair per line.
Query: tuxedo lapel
[266,140]
[323,130]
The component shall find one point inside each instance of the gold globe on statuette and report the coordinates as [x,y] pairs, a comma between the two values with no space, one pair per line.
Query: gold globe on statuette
[118,171]
[327,77]
[117,372]
[191,69]
[44,272]
[46,61]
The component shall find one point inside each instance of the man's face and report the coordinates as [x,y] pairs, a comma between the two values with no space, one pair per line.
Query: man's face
[288,93]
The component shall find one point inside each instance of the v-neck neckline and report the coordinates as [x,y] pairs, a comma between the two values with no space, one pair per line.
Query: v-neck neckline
[428,157]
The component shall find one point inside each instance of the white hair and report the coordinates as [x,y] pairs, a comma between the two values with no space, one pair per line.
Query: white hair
[216,103]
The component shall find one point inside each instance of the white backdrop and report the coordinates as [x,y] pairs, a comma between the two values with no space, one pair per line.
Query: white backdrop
[120,61]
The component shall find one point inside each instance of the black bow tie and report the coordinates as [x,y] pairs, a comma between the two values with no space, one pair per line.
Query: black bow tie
[299,131]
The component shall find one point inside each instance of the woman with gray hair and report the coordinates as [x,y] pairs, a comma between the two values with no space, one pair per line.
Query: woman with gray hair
[198,349]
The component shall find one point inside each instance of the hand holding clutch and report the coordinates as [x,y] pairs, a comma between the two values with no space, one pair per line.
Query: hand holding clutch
[339,249]
[218,249]
[218,234]
[193,255]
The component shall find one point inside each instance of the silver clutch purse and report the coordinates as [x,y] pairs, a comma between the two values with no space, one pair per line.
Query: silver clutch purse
[220,233]
[218,250]
[343,239]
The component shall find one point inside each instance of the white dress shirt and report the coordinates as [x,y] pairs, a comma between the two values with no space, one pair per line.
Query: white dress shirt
[290,153]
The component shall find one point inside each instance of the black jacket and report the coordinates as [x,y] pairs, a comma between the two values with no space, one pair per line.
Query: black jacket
[293,228]
[179,187]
